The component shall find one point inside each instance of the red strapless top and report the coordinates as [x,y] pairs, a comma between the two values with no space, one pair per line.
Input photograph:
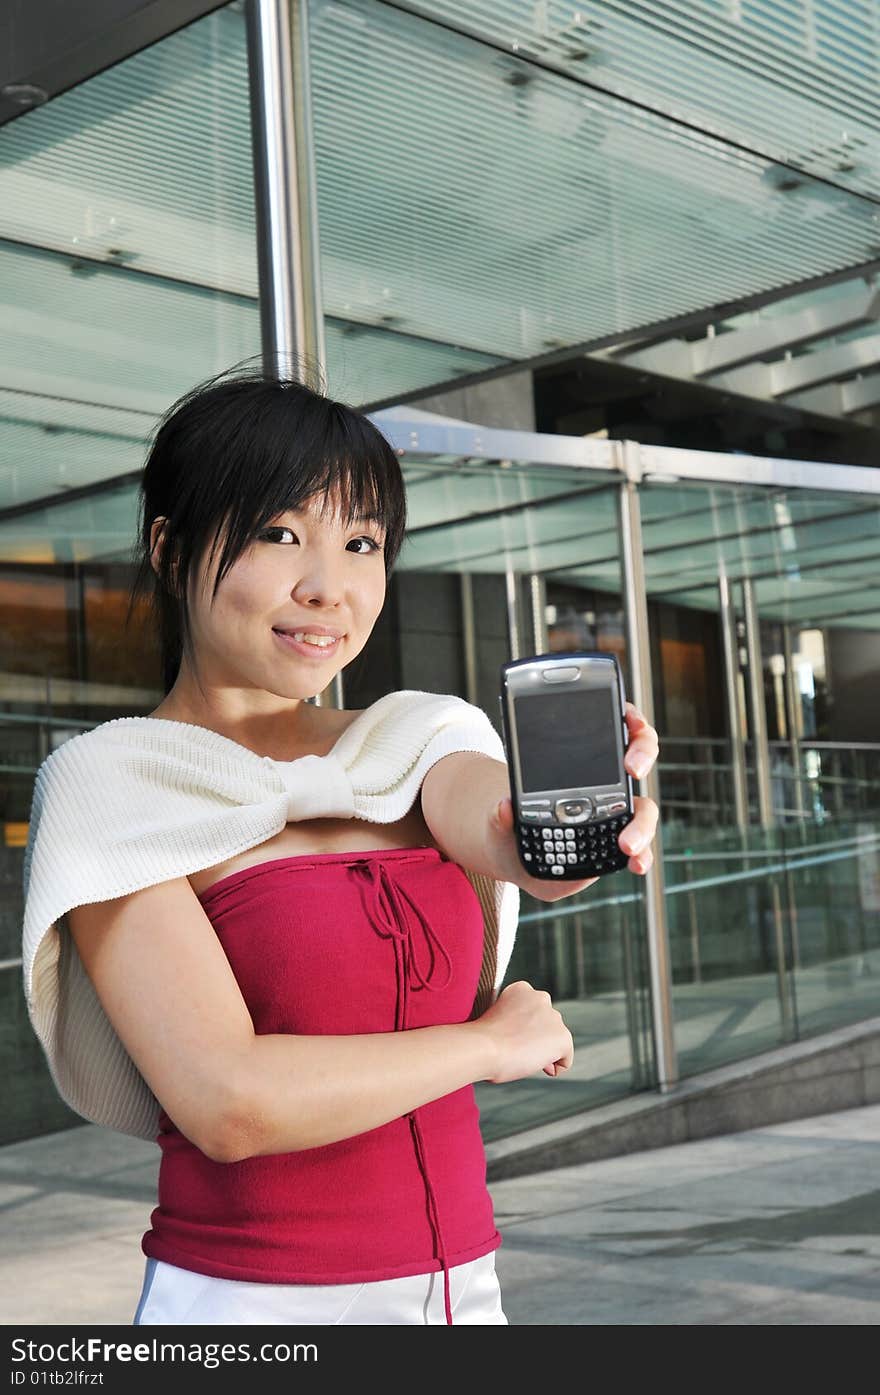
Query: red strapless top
[341,943]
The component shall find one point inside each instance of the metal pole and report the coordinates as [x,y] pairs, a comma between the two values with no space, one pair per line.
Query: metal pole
[513,616]
[634,1027]
[695,926]
[757,709]
[792,714]
[635,603]
[469,637]
[792,718]
[758,715]
[291,312]
[538,598]
[540,641]
[731,670]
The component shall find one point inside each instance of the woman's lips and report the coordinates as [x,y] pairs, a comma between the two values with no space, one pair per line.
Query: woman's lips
[309,651]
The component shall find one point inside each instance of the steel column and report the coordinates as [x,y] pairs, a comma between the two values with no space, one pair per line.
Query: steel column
[514,618]
[538,599]
[291,315]
[792,718]
[731,670]
[757,709]
[291,312]
[635,604]
[758,715]
[469,637]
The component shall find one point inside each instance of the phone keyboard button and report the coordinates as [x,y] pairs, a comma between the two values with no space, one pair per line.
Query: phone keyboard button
[557,871]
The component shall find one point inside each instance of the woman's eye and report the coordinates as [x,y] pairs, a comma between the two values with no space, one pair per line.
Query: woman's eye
[266,531]
[374,546]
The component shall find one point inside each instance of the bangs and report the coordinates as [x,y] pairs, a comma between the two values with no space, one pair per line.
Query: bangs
[286,450]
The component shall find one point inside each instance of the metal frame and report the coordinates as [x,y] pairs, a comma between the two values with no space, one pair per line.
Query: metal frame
[414,435]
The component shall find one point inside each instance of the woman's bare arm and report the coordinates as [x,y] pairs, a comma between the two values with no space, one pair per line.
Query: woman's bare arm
[168,988]
[303,1091]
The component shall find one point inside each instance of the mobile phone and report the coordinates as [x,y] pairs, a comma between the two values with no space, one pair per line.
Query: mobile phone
[565,734]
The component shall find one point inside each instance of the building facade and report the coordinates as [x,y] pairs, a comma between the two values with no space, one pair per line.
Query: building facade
[611,296]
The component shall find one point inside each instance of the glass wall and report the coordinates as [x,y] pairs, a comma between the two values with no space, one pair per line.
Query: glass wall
[128,272]
[774,933]
[774,930]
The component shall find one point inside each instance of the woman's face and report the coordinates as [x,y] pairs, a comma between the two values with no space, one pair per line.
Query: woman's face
[306,573]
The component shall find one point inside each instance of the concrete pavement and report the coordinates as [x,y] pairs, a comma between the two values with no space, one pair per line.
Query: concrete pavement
[778,1225]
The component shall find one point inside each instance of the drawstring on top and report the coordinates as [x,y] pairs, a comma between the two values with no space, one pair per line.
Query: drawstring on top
[419,1144]
[389,918]
[387,905]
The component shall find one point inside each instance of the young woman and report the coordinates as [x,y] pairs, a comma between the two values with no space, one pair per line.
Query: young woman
[303,1009]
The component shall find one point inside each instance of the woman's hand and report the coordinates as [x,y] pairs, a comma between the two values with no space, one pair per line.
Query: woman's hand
[527,1034]
[639,757]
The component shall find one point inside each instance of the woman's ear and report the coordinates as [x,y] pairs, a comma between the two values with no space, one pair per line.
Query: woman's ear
[157,529]
[157,544]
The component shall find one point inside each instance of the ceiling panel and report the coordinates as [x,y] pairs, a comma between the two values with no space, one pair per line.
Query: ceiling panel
[798,80]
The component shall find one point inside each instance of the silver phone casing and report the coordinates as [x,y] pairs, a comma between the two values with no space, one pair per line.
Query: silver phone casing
[528,678]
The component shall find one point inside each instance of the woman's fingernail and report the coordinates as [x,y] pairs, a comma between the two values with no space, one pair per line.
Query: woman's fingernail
[640,769]
[637,844]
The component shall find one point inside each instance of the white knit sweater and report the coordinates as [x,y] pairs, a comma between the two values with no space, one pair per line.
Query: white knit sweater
[142,800]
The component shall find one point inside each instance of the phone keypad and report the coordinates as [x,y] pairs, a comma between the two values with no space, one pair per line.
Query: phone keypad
[575,852]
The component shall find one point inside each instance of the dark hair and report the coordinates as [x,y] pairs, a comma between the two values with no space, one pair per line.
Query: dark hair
[238,452]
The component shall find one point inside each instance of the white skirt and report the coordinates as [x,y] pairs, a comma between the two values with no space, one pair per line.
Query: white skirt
[175,1296]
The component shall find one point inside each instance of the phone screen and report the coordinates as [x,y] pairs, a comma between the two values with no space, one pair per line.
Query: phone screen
[567,740]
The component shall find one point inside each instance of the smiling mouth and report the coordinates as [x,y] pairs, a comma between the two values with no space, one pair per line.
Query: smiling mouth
[312,645]
[305,637]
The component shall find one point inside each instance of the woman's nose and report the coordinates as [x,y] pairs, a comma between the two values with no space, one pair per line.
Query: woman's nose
[320,585]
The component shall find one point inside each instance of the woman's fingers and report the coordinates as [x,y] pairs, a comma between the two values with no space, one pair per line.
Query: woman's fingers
[639,833]
[640,830]
[644,743]
[642,862]
[557,1068]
